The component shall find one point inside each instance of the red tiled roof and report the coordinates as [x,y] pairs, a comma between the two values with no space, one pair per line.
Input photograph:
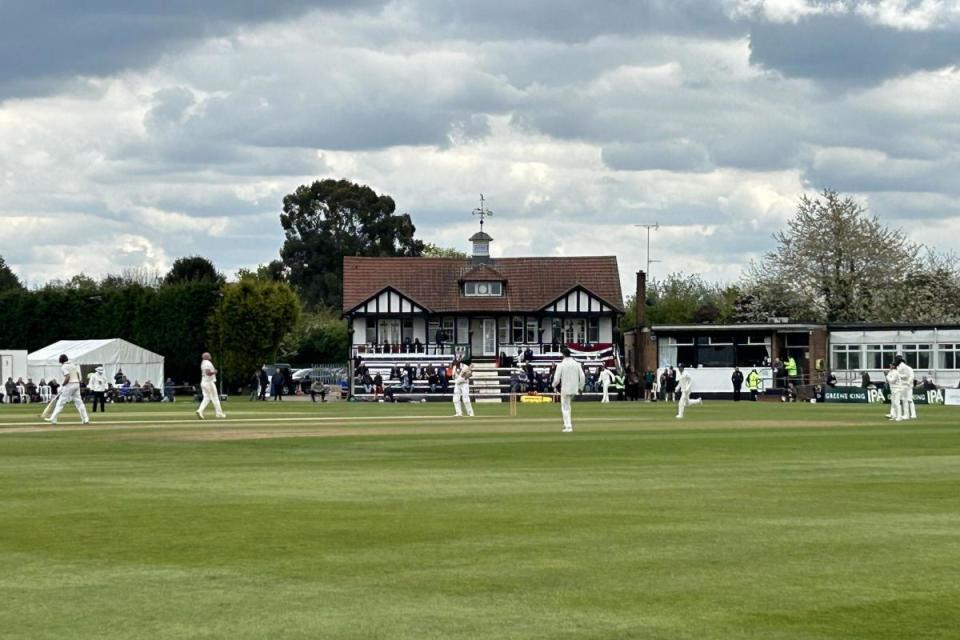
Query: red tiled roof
[481,273]
[532,283]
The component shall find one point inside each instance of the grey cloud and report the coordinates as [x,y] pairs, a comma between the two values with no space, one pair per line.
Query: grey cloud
[574,20]
[846,50]
[669,155]
[44,43]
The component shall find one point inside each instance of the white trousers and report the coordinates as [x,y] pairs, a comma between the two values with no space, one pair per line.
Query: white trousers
[908,410]
[896,403]
[461,395]
[210,394]
[70,392]
[686,401]
[606,393]
[566,411]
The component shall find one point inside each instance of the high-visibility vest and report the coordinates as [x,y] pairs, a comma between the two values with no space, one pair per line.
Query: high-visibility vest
[791,366]
[753,380]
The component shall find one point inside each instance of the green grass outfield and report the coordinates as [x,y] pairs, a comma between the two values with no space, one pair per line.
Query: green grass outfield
[396,521]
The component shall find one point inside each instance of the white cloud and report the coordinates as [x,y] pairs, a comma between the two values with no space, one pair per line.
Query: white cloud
[575,129]
[911,15]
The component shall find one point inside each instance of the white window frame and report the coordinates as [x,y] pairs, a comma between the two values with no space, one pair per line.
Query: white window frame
[911,355]
[480,289]
[951,349]
[872,349]
[846,350]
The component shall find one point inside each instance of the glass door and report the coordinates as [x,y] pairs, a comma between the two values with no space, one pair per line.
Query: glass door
[489,337]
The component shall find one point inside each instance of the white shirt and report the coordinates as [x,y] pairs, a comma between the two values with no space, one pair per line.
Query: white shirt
[906,375]
[606,378]
[893,378]
[96,382]
[569,375]
[459,378]
[685,382]
[207,366]
[71,372]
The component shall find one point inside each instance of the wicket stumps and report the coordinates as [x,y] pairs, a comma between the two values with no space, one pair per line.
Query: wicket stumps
[513,405]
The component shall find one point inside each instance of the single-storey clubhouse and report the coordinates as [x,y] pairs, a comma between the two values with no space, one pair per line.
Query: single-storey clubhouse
[480,306]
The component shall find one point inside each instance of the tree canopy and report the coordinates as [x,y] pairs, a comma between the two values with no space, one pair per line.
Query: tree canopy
[433,251]
[836,263]
[247,326]
[8,279]
[193,268]
[329,219]
[683,299]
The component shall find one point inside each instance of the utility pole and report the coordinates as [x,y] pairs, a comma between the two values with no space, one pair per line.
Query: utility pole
[656,227]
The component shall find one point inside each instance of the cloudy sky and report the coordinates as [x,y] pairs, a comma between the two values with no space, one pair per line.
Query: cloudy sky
[131,136]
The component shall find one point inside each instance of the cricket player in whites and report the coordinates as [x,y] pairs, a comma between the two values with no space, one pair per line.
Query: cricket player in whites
[606,379]
[908,410]
[569,380]
[893,380]
[69,391]
[461,388]
[686,386]
[208,387]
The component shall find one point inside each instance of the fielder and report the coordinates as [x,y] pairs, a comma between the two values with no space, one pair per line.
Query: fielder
[208,386]
[893,380]
[70,390]
[686,386]
[461,388]
[568,379]
[606,379]
[908,410]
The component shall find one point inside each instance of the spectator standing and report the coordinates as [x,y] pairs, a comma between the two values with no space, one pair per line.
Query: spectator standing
[10,387]
[169,390]
[264,384]
[865,380]
[254,385]
[792,371]
[277,384]
[97,384]
[568,380]
[648,379]
[737,380]
[753,384]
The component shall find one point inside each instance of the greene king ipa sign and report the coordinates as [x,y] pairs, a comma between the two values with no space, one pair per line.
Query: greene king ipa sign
[879,396]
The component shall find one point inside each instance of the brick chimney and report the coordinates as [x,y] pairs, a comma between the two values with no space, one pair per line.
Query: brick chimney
[639,338]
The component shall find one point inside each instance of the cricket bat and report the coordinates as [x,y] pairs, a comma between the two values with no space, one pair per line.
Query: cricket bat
[49,408]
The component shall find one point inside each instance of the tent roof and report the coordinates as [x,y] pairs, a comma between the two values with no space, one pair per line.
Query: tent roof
[78,349]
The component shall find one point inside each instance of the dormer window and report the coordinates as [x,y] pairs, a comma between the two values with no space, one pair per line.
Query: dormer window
[483,289]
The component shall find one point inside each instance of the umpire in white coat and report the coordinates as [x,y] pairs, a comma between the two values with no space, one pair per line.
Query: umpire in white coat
[568,380]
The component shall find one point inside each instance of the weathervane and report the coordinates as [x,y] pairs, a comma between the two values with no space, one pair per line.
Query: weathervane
[482,211]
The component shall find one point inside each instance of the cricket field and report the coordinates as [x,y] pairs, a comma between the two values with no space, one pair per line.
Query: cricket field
[342,520]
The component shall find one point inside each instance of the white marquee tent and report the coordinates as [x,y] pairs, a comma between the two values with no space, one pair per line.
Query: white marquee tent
[114,354]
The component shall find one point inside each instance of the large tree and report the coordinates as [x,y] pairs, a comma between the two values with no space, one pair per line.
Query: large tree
[8,279]
[684,298]
[833,262]
[330,219]
[246,327]
[193,268]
